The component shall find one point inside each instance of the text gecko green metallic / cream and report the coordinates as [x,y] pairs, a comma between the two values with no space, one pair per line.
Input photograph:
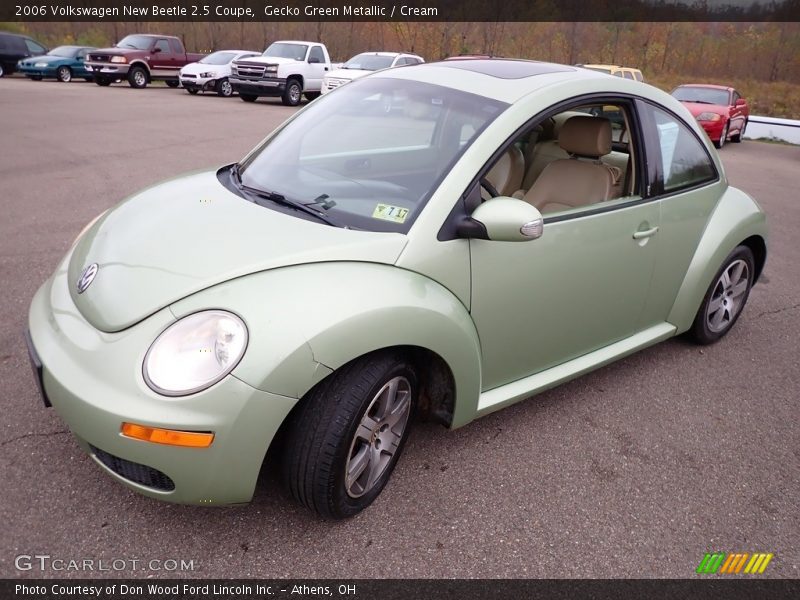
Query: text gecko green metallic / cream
[193,321]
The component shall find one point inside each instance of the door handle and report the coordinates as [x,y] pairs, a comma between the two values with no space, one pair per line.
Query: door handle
[645,233]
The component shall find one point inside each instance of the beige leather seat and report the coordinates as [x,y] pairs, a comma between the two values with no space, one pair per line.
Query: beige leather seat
[582,178]
[506,174]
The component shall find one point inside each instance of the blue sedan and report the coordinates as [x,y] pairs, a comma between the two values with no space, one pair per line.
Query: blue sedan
[62,63]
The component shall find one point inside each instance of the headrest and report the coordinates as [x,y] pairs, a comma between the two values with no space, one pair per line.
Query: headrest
[586,136]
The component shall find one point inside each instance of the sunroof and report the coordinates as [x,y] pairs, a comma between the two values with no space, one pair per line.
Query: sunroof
[505,69]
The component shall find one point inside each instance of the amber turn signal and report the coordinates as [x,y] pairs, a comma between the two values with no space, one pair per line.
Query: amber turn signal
[171,437]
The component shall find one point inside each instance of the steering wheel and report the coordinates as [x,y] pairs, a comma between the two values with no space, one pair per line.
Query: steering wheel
[486,184]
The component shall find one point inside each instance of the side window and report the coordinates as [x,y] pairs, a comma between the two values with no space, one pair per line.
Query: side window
[81,54]
[627,75]
[736,97]
[684,160]
[176,47]
[572,160]
[163,46]
[316,54]
[34,48]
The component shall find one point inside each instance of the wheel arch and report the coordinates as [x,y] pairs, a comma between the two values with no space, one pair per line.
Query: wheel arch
[143,64]
[736,220]
[299,78]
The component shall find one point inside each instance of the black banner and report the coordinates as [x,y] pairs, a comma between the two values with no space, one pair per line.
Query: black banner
[712,588]
[400,10]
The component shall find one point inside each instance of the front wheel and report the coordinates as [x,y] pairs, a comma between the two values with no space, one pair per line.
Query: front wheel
[64,74]
[137,78]
[192,91]
[723,137]
[725,298]
[248,97]
[224,88]
[172,83]
[292,93]
[345,438]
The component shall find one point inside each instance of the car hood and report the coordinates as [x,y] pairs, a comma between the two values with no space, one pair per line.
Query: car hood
[196,68]
[190,233]
[116,51]
[348,73]
[45,59]
[697,108]
[269,60]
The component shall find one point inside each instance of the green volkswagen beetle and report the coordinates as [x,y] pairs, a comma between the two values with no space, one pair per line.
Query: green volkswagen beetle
[438,241]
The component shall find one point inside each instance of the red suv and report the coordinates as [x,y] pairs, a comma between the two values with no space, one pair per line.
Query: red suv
[720,109]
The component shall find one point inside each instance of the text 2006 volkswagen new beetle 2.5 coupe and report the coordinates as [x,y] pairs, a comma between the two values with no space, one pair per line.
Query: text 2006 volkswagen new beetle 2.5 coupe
[437,241]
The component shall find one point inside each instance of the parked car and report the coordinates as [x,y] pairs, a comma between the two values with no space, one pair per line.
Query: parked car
[62,63]
[616,71]
[721,110]
[141,58]
[364,64]
[287,69]
[211,73]
[14,47]
[359,270]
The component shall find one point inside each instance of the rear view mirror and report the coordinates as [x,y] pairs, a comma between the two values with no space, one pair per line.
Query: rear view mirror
[504,219]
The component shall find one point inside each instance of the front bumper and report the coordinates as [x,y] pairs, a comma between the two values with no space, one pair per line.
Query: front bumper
[713,129]
[202,85]
[37,71]
[94,382]
[115,70]
[261,87]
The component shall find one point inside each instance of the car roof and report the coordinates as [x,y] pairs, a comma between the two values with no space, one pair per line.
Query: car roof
[506,80]
[706,85]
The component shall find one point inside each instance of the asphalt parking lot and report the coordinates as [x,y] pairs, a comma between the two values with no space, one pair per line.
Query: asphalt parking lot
[635,470]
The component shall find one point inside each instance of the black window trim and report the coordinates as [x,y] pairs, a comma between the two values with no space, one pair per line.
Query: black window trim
[654,150]
[645,171]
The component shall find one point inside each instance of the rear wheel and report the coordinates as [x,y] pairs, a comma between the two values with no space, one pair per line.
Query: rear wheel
[64,74]
[248,97]
[224,88]
[725,298]
[737,139]
[292,93]
[137,77]
[347,435]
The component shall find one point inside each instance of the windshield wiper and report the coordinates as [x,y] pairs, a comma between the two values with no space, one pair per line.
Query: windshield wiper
[699,101]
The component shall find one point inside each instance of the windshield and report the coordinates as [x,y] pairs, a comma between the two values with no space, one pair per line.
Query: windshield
[139,42]
[218,58]
[64,51]
[598,69]
[369,62]
[370,155]
[295,51]
[703,95]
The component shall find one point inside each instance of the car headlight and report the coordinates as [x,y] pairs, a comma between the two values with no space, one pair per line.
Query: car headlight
[40,64]
[708,116]
[195,352]
[272,69]
[118,59]
[208,74]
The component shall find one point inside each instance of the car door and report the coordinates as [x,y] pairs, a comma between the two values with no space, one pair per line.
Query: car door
[581,286]
[162,60]
[316,68]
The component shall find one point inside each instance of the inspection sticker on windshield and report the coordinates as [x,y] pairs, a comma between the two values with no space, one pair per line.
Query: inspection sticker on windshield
[387,212]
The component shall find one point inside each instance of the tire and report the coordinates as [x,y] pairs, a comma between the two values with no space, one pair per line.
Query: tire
[102,81]
[192,91]
[725,299]
[358,419]
[36,77]
[248,97]
[2,71]
[64,74]
[737,139]
[292,93]
[172,83]
[224,88]
[311,96]
[723,137]
[137,78]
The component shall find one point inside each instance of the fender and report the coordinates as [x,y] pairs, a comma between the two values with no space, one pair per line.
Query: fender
[308,320]
[736,218]
[138,62]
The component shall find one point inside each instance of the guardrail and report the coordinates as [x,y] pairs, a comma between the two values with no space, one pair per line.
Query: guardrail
[785,130]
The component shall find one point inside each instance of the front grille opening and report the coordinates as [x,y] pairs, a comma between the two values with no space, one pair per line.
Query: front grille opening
[141,474]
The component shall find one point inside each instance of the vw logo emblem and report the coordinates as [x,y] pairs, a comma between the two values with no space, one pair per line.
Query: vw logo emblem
[87,277]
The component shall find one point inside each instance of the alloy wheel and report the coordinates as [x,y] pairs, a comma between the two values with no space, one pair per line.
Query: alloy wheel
[727,298]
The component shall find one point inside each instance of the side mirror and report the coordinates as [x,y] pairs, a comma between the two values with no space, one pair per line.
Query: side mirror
[504,219]
[741,102]
[155,50]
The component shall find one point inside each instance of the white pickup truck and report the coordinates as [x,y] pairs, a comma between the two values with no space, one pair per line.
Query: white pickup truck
[287,69]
